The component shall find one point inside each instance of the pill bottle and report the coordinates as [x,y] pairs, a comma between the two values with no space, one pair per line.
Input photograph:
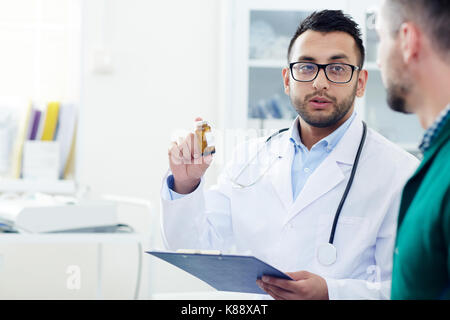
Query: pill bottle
[204,134]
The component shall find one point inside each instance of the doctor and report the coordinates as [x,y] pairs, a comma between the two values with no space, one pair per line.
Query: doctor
[320,199]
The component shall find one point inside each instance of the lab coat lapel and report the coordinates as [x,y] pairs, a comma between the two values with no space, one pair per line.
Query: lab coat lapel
[331,172]
[280,176]
[327,176]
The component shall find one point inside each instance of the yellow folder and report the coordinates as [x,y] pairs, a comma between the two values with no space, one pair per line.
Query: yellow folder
[51,120]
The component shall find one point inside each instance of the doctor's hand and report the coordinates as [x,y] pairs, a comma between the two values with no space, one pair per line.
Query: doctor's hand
[187,164]
[305,286]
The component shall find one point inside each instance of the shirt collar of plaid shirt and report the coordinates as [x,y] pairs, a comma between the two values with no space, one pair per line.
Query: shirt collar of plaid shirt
[434,130]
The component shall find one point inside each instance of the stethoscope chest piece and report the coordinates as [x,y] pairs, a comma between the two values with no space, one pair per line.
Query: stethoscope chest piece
[326,254]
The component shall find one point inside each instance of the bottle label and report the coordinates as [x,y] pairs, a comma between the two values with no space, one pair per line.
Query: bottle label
[209,139]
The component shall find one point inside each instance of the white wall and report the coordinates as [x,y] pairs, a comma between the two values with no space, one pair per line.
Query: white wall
[164,58]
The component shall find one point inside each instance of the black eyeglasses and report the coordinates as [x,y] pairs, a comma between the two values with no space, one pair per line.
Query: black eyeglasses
[335,72]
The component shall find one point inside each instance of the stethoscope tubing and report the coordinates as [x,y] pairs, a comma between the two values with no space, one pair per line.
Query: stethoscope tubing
[349,183]
[344,196]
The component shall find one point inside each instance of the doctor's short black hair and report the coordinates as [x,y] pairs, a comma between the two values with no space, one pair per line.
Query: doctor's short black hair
[331,21]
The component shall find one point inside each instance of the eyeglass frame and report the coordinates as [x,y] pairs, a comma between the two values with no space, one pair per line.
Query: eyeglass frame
[323,66]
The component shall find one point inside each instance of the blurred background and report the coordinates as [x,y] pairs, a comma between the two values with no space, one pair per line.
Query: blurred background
[91,93]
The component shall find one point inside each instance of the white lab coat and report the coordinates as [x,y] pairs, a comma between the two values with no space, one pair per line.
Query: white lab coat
[263,219]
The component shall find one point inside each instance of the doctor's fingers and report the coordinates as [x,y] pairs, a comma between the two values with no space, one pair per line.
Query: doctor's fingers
[274,295]
[174,152]
[194,146]
[180,154]
[192,143]
[190,149]
[278,293]
[266,288]
[287,285]
[300,275]
[186,152]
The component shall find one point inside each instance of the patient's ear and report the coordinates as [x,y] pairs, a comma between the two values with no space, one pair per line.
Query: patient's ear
[410,41]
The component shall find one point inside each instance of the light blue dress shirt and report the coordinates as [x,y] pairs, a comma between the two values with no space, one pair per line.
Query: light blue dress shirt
[173,195]
[305,161]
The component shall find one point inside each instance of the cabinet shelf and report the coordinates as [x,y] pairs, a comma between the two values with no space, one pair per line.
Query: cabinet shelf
[266,63]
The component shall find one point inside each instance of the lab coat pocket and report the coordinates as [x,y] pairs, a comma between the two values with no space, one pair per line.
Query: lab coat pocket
[351,220]
[349,241]
[325,221]
[350,231]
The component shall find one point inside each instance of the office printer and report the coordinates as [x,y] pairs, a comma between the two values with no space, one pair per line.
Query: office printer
[44,213]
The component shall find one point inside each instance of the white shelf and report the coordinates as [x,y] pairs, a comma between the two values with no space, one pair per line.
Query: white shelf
[54,187]
[266,63]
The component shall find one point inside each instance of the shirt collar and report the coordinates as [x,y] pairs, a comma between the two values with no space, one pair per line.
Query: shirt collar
[329,141]
[433,131]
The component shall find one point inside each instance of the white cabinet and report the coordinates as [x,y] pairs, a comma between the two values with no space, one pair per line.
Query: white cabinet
[74,266]
[260,32]
[259,36]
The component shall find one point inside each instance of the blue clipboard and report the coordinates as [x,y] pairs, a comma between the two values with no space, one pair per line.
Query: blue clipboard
[236,273]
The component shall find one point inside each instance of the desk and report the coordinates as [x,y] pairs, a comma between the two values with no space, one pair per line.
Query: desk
[72,265]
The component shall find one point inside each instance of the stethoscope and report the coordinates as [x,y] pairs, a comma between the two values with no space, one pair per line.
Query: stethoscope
[326,252]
